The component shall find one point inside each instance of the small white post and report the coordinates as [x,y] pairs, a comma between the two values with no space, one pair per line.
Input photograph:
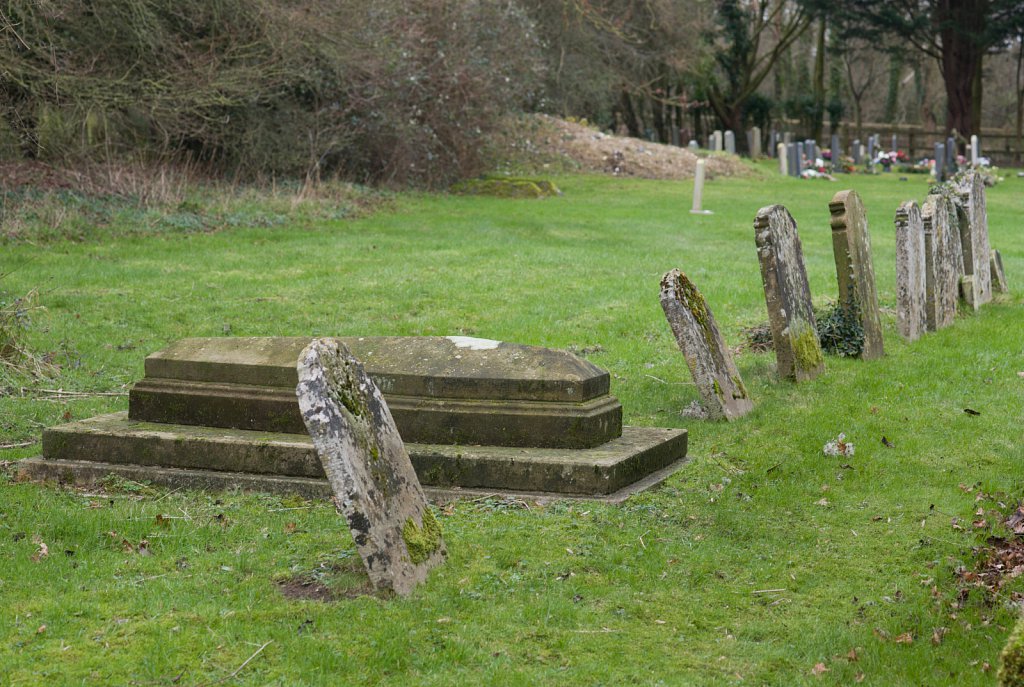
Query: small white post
[974,150]
[698,190]
[780,152]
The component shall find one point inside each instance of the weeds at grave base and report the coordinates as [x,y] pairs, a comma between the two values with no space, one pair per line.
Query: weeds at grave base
[837,333]
[343,579]
[18,363]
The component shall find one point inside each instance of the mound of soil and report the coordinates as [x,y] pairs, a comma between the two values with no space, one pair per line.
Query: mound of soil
[541,142]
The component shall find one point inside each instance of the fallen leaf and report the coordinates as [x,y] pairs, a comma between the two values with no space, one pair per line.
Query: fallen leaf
[659,622]
[445,619]
[980,524]
[1020,374]
[937,635]
[852,656]
[985,667]
[971,411]
[289,527]
[161,519]
[905,638]
[886,442]
[1016,521]
[819,669]
[859,677]
[144,548]
[66,417]
[43,552]
[822,502]
[880,633]
[41,630]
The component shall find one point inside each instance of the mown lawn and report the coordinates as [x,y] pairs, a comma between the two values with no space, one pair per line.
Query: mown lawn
[761,562]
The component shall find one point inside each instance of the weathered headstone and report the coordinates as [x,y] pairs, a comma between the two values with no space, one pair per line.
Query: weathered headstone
[722,393]
[911,317]
[974,150]
[801,152]
[998,275]
[693,146]
[950,154]
[836,154]
[857,153]
[974,241]
[366,463]
[871,148]
[698,190]
[895,142]
[851,245]
[755,142]
[773,142]
[717,145]
[787,295]
[783,155]
[730,142]
[941,274]
[787,137]
[793,165]
[940,162]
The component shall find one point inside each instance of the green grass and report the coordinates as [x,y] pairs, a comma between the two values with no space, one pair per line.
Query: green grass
[668,588]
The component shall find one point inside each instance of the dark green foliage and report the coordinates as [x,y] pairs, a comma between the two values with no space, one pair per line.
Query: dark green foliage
[401,93]
[840,331]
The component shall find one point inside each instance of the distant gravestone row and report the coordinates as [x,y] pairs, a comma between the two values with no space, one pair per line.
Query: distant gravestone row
[943,258]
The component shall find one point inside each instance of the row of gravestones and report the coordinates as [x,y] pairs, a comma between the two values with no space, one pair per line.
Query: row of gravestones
[943,255]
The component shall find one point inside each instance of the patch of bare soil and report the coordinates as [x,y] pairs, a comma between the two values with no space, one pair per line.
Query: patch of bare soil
[544,142]
[340,581]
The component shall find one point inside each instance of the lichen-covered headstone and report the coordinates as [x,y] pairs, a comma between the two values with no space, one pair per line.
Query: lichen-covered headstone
[941,250]
[911,318]
[787,295]
[721,389]
[366,463]
[851,245]
[998,275]
[974,241]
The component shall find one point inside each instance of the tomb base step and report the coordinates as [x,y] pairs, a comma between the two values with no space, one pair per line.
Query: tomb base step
[215,458]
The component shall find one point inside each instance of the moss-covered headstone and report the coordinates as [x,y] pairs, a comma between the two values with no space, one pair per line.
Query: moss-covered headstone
[911,318]
[851,245]
[366,463]
[998,275]
[722,393]
[974,241]
[787,295]
[943,261]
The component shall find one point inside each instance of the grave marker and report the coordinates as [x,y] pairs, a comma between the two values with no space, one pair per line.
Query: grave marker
[974,150]
[730,142]
[998,275]
[721,389]
[698,190]
[755,142]
[940,162]
[836,154]
[911,317]
[716,137]
[974,241]
[851,245]
[368,468]
[783,155]
[787,295]
[941,274]
[857,152]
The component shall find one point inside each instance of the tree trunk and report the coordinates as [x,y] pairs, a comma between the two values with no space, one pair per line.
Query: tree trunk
[960,22]
[819,85]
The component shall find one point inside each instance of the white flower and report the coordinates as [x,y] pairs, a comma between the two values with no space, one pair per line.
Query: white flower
[838,447]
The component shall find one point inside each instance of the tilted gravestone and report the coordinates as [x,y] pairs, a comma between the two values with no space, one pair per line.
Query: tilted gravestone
[722,393]
[787,295]
[942,276]
[851,245]
[974,241]
[366,463]
[911,318]
[998,275]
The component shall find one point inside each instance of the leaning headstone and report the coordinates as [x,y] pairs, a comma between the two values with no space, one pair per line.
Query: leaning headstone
[974,150]
[783,155]
[911,318]
[998,275]
[698,190]
[851,245]
[722,393]
[368,468]
[940,162]
[974,241]
[787,295]
[755,142]
[730,142]
[941,274]
[857,153]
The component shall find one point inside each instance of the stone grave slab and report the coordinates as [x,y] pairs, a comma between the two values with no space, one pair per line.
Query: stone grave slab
[974,240]
[722,393]
[998,275]
[218,412]
[911,317]
[787,295]
[395,532]
[942,249]
[851,246]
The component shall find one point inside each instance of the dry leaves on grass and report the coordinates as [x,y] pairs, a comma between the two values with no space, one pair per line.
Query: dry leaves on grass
[819,669]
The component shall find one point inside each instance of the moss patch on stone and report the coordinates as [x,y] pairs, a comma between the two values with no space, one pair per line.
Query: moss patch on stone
[806,349]
[1011,669]
[422,541]
[506,187]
